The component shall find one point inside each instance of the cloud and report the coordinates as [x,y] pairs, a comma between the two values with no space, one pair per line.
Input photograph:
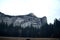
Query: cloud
[49,8]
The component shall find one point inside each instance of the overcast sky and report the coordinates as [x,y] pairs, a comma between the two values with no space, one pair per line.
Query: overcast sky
[48,8]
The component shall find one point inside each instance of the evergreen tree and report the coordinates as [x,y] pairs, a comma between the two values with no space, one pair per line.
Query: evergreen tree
[56,28]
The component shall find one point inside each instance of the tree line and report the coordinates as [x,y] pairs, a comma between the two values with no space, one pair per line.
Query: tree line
[45,31]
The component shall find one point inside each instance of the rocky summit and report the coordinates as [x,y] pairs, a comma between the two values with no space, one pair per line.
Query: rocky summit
[23,20]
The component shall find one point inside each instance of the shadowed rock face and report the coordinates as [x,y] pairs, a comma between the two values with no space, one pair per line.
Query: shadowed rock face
[23,20]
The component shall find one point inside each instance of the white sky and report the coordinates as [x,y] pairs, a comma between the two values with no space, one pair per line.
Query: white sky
[49,8]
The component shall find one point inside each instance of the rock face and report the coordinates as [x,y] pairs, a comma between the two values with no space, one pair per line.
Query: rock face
[23,20]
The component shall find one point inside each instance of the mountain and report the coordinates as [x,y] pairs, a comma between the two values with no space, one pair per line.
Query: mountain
[23,20]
